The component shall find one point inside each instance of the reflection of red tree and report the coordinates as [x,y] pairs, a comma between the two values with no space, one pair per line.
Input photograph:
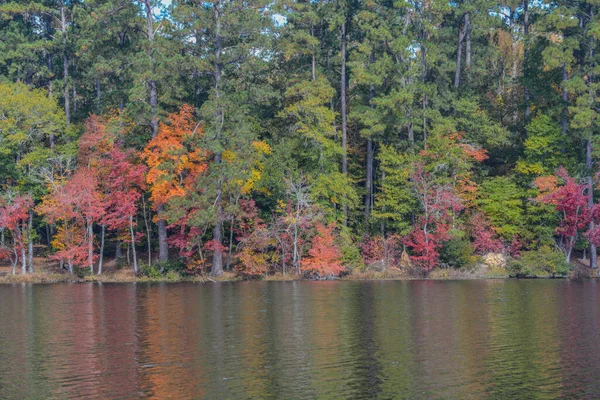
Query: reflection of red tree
[118,340]
[169,350]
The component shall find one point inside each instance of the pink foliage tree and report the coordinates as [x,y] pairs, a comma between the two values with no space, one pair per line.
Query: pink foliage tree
[14,214]
[571,203]
[439,204]
[485,239]
[122,184]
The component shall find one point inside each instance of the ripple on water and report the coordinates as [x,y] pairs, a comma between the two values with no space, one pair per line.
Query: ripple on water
[352,340]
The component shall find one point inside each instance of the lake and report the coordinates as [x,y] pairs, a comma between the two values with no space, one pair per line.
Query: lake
[291,340]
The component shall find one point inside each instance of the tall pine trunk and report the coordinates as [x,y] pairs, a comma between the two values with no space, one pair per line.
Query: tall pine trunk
[343,99]
[590,183]
[526,94]
[151,82]
[66,94]
[217,258]
[369,176]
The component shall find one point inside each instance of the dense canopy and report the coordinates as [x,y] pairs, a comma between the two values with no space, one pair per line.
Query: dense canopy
[298,137]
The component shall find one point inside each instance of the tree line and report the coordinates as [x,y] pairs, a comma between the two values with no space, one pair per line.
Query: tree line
[291,136]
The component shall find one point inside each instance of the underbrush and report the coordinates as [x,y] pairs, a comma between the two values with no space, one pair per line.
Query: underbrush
[39,277]
[544,262]
[388,274]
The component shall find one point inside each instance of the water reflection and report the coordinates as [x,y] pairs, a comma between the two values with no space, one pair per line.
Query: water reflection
[426,339]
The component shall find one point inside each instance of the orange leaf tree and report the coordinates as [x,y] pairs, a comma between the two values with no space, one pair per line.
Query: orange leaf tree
[324,257]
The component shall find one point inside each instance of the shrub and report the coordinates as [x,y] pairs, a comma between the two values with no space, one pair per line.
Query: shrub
[150,271]
[81,272]
[172,276]
[543,262]
[457,253]
[175,265]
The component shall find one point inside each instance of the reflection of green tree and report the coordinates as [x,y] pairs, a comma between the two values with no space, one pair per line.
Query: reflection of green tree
[523,358]
[393,336]
[359,347]
[282,340]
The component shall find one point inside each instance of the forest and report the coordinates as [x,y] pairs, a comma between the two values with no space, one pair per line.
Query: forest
[293,137]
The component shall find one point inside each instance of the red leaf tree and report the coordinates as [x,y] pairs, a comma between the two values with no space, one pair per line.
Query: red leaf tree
[14,214]
[122,182]
[439,203]
[485,239]
[571,203]
[75,206]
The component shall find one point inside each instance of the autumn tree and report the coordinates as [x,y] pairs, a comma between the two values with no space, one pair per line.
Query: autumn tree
[14,215]
[485,240]
[571,203]
[324,256]
[122,182]
[173,165]
[74,206]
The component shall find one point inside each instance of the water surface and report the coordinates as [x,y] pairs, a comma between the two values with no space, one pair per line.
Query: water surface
[288,340]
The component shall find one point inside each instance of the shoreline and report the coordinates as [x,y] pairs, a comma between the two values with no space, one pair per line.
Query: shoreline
[47,278]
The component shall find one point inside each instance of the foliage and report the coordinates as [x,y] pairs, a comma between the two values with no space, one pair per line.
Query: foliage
[542,262]
[225,130]
[484,238]
[151,271]
[571,203]
[502,202]
[457,253]
[324,257]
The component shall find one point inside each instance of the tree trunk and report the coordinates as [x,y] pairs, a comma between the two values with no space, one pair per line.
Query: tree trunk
[525,53]
[63,26]
[151,82]
[468,45]
[565,99]
[90,237]
[163,244]
[461,37]
[369,180]
[588,153]
[153,107]
[314,56]
[118,251]
[423,78]
[23,261]
[133,252]
[344,112]
[15,261]
[148,233]
[295,251]
[230,243]
[217,258]
[98,97]
[30,243]
[590,182]
[74,99]
[101,258]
